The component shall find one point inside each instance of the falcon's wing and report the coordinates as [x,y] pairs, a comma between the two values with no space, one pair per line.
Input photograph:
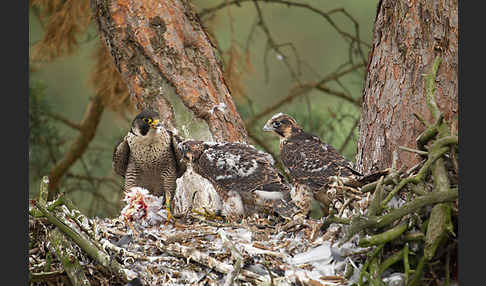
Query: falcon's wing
[180,163]
[311,161]
[120,157]
[238,167]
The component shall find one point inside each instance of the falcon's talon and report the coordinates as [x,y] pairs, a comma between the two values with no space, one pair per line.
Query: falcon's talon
[170,217]
[207,215]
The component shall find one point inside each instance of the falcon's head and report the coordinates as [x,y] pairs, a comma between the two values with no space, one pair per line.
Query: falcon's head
[144,121]
[282,124]
[192,149]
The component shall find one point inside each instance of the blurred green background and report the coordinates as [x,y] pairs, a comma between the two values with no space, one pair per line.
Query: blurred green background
[62,86]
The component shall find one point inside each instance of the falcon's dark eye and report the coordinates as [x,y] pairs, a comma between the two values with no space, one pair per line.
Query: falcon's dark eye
[147,120]
[276,124]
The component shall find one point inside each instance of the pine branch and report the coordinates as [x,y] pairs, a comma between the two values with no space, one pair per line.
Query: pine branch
[64,120]
[84,243]
[88,127]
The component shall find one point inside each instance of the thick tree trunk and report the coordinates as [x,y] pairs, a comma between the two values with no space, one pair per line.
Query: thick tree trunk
[157,44]
[408,35]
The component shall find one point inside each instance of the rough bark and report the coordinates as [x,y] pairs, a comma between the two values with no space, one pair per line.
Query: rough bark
[408,35]
[159,44]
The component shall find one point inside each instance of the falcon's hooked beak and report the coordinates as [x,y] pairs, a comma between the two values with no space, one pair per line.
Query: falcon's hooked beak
[154,123]
[268,127]
[277,127]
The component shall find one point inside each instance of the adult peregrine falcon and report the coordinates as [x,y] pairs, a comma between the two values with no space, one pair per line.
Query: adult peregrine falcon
[147,157]
[309,161]
[243,176]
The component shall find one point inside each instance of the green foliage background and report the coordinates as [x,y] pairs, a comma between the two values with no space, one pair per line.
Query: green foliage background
[62,87]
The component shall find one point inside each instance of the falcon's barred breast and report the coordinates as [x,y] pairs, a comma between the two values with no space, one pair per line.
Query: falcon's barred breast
[147,156]
[309,161]
[243,176]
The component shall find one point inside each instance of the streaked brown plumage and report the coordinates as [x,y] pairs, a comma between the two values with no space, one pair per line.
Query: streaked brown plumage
[309,161]
[243,176]
[147,156]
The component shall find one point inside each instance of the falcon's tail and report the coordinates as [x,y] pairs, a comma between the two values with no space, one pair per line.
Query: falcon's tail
[373,176]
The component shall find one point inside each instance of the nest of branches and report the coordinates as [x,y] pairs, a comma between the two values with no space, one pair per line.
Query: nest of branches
[69,248]
[399,227]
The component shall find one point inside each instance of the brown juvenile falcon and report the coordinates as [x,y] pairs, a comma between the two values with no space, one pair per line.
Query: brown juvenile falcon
[243,176]
[309,161]
[147,157]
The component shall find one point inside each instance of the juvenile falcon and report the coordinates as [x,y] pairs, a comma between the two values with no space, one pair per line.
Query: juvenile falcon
[147,157]
[243,176]
[309,161]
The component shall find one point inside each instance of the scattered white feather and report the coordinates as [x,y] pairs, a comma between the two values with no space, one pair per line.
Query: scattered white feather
[269,195]
[395,279]
[243,234]
[326,260]
[321,253]
[130,274]
[347,249]
[191,276]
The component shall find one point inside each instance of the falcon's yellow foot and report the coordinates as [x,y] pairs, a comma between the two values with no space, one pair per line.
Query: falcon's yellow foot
[208,215]
[169,214]
[170,217]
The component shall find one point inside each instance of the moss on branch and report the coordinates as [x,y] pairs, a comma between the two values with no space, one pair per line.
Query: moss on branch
[383,237]
[64,250]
